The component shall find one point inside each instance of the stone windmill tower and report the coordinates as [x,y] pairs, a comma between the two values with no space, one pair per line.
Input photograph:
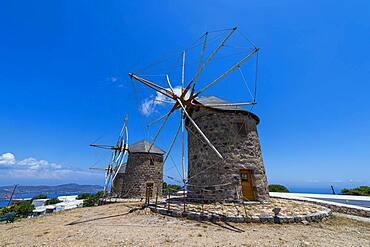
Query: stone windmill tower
[224,153]
[233,131]
[143,172]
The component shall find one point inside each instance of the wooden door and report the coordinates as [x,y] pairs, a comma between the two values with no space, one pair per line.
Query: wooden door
[149,190]
[246,179]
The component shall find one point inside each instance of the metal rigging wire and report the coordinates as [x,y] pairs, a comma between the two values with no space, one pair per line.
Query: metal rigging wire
[245,81]
[174,54]
[245,37]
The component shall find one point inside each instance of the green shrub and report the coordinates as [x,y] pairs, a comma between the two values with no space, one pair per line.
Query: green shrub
[359,191]
[83,196]
[90,202]
[277,188]
[8,209]
[172,187]
[99,194]
[41,196]
[93,199]
[22,209]
[52,201]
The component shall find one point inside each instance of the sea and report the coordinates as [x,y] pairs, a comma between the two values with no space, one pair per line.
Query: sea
[327,190]
[4,201]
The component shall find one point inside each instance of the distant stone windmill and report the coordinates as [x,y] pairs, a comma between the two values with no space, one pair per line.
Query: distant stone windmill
[213,159]
[119,152]
[142,176]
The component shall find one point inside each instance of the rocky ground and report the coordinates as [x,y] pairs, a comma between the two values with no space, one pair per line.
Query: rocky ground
[113,225]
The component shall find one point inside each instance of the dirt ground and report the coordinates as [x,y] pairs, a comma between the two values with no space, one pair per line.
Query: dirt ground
[113,225]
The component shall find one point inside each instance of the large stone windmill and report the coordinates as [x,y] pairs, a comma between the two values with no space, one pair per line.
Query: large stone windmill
[222,165]
[233,130]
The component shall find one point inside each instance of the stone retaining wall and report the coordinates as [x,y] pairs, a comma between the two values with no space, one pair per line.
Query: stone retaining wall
[313,217]
[347,210]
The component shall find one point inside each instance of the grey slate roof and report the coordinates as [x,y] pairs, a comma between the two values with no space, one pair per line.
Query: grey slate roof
[143,147]
[211,100]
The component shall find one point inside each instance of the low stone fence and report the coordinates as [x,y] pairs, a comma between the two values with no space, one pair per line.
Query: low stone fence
[252,215]
[347,210]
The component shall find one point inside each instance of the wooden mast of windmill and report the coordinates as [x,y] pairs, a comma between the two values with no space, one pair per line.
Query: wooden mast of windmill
[185,101]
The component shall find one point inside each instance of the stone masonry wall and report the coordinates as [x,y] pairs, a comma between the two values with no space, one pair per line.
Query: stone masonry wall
[142,168]
[234,134]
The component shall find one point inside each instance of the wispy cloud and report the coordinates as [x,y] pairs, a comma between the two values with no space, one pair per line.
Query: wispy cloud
[113,79]
[148,106]
[35,169]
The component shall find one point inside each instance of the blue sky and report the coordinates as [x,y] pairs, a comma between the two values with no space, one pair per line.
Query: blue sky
[64,83]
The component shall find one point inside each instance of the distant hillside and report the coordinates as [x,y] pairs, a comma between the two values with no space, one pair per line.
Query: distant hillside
[5,191]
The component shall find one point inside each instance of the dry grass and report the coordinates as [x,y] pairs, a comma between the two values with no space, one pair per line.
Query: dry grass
[112,225]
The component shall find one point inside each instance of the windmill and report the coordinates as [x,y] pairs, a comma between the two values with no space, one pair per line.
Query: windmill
[187,99]
[119,152]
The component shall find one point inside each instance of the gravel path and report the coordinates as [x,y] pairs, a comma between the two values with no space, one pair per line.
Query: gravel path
[113,225]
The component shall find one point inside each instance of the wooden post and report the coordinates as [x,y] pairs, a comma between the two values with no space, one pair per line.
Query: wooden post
[184,199]
[148,198]
[156,198]
[202,199]
[169,199]
[245,210]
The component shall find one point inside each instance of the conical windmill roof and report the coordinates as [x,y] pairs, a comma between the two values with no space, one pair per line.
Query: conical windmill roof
[210,101]
[143,147]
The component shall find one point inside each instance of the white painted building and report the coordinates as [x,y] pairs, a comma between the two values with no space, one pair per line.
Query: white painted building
[39,202]
[67,202]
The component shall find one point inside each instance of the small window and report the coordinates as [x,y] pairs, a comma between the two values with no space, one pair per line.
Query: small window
[244,177]
[241,129]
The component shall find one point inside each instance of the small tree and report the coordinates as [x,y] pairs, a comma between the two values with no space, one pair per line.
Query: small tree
[52,201]
[93,199]
[24,209]
[359,191]
[277,188]
[170,187]
[8,209]
[41,196]
[83,196]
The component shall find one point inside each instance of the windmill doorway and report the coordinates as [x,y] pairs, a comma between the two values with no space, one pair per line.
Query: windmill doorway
[149,190]
[246,180]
